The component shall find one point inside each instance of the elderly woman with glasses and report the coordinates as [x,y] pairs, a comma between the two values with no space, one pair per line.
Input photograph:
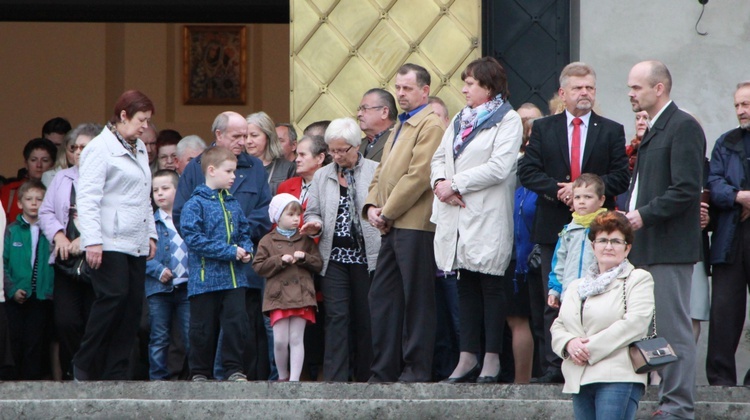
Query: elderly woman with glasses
[349,248]
[600,315]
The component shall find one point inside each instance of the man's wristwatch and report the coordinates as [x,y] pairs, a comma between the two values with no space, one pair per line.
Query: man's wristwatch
[454,187]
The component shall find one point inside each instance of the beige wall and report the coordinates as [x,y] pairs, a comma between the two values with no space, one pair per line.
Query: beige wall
[77,70]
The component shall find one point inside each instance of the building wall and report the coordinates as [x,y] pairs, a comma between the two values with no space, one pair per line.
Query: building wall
[77,71]
[614,35]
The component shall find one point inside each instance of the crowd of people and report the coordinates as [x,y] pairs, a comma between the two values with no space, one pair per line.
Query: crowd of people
[499,245]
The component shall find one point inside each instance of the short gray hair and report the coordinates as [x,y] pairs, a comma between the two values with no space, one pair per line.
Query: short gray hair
[190,143]
[577,69]
[344,128]
[743,84]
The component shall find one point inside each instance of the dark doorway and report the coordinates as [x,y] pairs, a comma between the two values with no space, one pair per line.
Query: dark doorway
[531,38]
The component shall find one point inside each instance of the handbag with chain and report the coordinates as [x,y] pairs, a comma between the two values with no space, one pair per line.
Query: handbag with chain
[651,352]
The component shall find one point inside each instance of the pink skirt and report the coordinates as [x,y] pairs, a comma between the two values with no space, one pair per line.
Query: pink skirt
[307,313]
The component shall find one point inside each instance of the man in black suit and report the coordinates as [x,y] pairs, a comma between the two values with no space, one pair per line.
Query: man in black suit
[664,208]
[376,115]
[562,147]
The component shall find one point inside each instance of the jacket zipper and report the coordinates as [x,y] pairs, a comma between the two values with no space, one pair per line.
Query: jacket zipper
[229,229]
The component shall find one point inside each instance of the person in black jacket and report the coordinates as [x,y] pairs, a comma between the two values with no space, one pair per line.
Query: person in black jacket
[546,169]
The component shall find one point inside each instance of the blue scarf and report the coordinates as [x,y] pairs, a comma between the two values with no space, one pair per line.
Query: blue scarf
[286,232]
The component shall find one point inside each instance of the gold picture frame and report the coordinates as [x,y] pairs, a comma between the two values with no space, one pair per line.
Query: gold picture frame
[214,65]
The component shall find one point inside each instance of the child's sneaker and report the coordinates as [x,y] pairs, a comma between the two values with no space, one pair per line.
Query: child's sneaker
[200,378]
[237,377]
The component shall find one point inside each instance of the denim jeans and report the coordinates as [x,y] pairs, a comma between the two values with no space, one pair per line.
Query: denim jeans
[608,401]
[162,307]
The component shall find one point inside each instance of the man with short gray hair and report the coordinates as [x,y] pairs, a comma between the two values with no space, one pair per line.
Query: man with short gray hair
[187,149]
[376,115]
[729,182]
[288,139]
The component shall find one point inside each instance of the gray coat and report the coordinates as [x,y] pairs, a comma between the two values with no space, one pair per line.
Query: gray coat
[323,206]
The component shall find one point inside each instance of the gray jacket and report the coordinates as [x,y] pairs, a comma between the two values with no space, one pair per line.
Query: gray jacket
[323,206]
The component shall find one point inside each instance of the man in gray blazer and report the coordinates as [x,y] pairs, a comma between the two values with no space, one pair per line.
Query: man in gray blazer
[664,208]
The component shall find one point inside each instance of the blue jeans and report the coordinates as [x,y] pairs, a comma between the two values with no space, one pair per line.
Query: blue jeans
[608,401]
[162,307]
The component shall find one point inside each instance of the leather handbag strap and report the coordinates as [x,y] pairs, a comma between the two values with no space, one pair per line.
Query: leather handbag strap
[625,304]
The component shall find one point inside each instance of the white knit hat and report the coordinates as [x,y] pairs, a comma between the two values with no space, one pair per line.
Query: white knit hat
[278,204]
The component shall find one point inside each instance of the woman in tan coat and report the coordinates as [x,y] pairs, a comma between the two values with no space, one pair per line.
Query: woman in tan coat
[593,329]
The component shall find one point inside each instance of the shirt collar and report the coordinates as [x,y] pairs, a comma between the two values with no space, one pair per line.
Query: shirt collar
[164,215]
[585,118]
[406,115]
[658,114]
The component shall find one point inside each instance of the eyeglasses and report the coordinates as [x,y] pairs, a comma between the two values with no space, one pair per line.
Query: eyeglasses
[364,108]
[167,158]
[614,242]
[73,148]
[340,152]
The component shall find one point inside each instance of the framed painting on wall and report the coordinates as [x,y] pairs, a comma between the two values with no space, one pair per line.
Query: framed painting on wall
[214,65]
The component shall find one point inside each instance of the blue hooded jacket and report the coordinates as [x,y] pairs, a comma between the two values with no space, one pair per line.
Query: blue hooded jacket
[212,226]
[250,189]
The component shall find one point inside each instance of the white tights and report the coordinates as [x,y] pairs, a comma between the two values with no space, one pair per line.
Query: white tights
[288,335]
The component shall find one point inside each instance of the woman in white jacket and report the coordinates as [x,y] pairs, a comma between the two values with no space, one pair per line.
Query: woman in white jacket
[118,233]
[474,175]
[594,328]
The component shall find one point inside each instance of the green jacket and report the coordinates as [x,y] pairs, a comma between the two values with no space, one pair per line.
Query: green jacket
[17,262]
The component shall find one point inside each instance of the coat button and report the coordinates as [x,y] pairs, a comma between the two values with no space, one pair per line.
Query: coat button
[567,177]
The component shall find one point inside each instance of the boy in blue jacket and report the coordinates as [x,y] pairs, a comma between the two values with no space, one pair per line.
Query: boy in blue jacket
[218,238]
[574,252]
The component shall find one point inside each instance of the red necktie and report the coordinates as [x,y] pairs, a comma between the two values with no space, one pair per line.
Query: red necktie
[575,150]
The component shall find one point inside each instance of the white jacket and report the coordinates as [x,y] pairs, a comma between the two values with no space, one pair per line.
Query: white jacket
[609,330]
[113,197]
[479,237]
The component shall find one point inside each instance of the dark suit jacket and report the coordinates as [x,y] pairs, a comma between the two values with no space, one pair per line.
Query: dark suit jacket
[377,150]
[547,162]
[670,169]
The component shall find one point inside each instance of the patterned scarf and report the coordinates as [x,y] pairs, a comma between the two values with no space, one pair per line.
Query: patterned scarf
[472,118]
[130,147]
[595,283]
[351,195]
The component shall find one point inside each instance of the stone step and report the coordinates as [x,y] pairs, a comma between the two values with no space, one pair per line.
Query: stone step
[307,400]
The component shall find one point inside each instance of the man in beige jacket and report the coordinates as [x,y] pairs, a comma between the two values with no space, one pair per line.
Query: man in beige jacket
[402,295]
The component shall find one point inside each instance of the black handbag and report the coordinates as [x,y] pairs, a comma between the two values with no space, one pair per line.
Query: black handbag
[75,267]
[650,353]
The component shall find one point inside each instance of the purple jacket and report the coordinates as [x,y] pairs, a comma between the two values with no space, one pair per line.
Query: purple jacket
[53,215]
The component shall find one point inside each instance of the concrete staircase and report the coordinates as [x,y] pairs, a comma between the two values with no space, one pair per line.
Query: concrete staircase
[307,400]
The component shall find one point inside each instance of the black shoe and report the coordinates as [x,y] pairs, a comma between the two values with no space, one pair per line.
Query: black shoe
[80,375]
[488,379]
[553,376]
[468,377]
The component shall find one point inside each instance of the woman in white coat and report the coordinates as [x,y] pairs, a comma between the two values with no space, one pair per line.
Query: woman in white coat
[474,176]
[594,328]
[118,234]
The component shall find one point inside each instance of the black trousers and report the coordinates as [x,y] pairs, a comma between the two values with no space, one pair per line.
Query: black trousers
[537,302]
[729,287]
[114,318]
[345,290]
[210,313]
[551,361]
[29,324]
[257,365]
[402,307]
[72,305]
[482,307]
